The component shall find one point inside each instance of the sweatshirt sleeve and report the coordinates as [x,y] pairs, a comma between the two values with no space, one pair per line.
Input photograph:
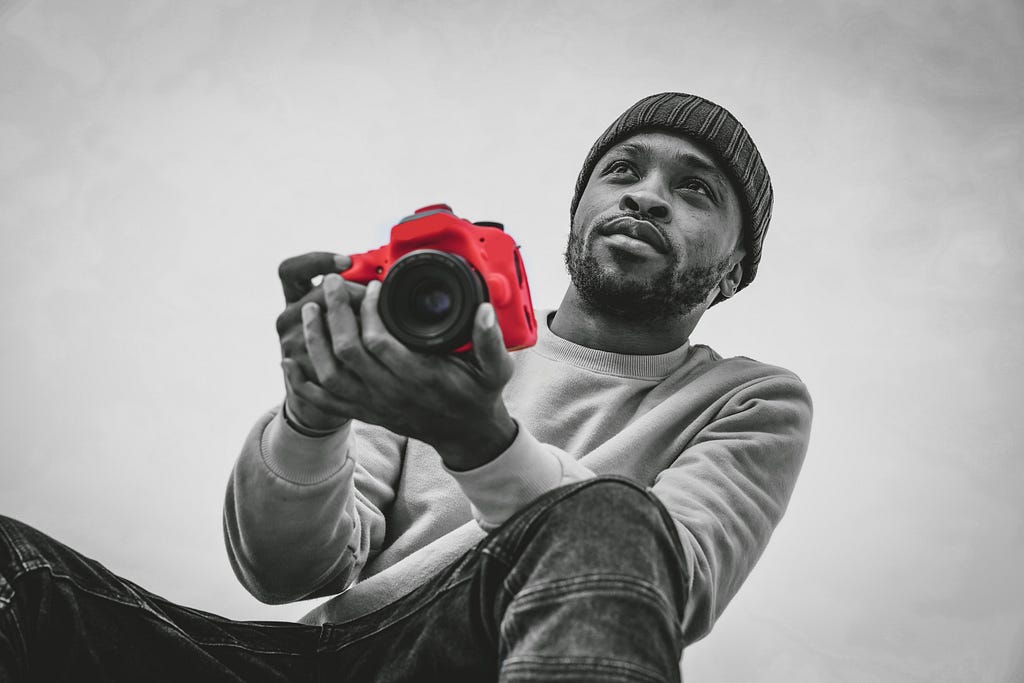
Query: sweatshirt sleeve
[729,487]
[510,482]
[303,514]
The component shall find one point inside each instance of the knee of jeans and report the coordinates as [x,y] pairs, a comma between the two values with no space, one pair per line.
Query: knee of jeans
[614,507]
[603,526]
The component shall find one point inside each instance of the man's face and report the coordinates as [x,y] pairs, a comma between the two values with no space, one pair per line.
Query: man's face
[655,229]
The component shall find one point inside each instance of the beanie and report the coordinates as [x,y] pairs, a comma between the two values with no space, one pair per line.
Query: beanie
[722,135]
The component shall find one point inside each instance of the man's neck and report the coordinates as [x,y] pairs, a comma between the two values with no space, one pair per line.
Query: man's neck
[579,323]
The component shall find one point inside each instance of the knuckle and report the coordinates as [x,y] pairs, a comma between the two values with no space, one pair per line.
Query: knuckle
[306,368]
[285,268]
[284,322]
[376,343]
[292,339]
[292,352]
[344,349]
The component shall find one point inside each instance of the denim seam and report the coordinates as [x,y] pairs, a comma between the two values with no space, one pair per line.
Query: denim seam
[618,668]
[563,589]
[586,584]
[234,642]
[396,619]
[59,575]
[24,562]
[143,607]
[18,629]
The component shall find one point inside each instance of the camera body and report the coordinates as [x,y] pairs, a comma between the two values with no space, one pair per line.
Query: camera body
[436,270]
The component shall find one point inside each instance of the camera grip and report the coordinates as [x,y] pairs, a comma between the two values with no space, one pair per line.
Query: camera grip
[370,265]
[498,291]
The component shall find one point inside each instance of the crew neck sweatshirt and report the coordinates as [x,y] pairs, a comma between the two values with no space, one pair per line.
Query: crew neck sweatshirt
[371,515]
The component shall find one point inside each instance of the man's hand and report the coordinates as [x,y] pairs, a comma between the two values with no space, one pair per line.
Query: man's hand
[306,402]
[450,402]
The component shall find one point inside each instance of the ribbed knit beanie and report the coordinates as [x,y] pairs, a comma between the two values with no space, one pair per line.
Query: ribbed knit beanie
[721,134]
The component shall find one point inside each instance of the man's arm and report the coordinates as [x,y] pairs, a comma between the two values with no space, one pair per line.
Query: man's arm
[302,515]
[728,489]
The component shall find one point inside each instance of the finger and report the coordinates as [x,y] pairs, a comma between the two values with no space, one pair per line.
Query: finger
[318,346]
[291,316]
[296,273]
[377,339]
[342,323]
[489,348]
[305,390]
[298,354]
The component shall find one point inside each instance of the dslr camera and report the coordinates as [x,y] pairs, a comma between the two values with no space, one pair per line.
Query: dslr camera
[436,270]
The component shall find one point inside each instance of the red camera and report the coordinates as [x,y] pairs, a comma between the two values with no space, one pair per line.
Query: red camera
[436,271]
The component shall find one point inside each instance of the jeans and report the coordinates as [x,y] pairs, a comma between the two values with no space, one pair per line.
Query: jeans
[585,584]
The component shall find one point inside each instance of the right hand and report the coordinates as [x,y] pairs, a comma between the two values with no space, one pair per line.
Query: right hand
[307,401]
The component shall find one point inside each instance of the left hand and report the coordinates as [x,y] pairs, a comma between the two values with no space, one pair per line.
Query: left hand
[452,403]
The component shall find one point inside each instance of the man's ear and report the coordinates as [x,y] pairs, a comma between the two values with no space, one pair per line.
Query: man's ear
[731,280]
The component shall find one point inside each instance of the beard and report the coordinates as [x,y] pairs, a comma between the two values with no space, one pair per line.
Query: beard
[674,292]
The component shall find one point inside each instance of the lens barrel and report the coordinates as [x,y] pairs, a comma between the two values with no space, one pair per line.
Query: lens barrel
[429,299]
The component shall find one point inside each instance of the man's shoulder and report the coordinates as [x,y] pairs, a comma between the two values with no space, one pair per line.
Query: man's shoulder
[738,370]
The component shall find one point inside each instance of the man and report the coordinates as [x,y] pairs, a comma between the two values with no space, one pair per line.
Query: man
[580,510]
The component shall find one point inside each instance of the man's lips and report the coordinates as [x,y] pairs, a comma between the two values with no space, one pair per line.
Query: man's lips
[638,229]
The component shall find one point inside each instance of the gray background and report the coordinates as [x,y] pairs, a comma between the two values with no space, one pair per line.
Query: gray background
[158,159]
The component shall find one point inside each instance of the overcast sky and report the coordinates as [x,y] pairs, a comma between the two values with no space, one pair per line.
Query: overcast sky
[158,159]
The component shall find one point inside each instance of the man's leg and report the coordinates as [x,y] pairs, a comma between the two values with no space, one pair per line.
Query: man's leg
[586,584]
[64,617]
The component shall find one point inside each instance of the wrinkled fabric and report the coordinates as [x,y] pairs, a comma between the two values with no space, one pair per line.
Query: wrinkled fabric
[544,597]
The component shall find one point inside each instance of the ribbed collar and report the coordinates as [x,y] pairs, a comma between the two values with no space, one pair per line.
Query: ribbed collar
[651,367]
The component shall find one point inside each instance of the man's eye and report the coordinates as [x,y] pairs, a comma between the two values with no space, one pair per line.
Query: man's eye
[619,167]
[696,185]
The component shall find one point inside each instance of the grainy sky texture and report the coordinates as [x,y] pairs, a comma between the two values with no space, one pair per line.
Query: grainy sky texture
[158,159]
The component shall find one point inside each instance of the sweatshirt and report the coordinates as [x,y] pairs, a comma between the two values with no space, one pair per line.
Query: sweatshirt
[367,515]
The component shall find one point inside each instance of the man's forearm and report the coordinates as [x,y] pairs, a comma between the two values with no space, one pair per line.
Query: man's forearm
[290,517]
[522,472]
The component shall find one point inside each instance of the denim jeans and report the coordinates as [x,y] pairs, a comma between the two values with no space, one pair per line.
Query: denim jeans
[585,584]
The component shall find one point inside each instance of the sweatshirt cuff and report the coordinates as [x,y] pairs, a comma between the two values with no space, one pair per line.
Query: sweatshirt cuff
[302,459]
[524,471]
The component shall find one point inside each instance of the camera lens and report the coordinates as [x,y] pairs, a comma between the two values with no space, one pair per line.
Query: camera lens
[431,301]
[429,298]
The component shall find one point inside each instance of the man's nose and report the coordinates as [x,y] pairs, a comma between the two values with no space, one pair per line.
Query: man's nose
[645,202]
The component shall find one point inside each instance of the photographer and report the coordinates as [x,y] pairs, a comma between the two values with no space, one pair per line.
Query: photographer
[581,509]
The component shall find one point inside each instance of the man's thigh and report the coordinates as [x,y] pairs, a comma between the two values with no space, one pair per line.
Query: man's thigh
[64,616]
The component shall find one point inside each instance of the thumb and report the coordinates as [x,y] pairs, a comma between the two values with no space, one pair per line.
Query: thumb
[489,348]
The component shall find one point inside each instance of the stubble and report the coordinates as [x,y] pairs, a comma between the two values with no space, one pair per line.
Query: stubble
[672,293]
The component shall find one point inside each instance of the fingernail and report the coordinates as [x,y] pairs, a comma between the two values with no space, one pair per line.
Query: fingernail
[310,311]
[373,287]
[486,315]
[332,282]
[342,262]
